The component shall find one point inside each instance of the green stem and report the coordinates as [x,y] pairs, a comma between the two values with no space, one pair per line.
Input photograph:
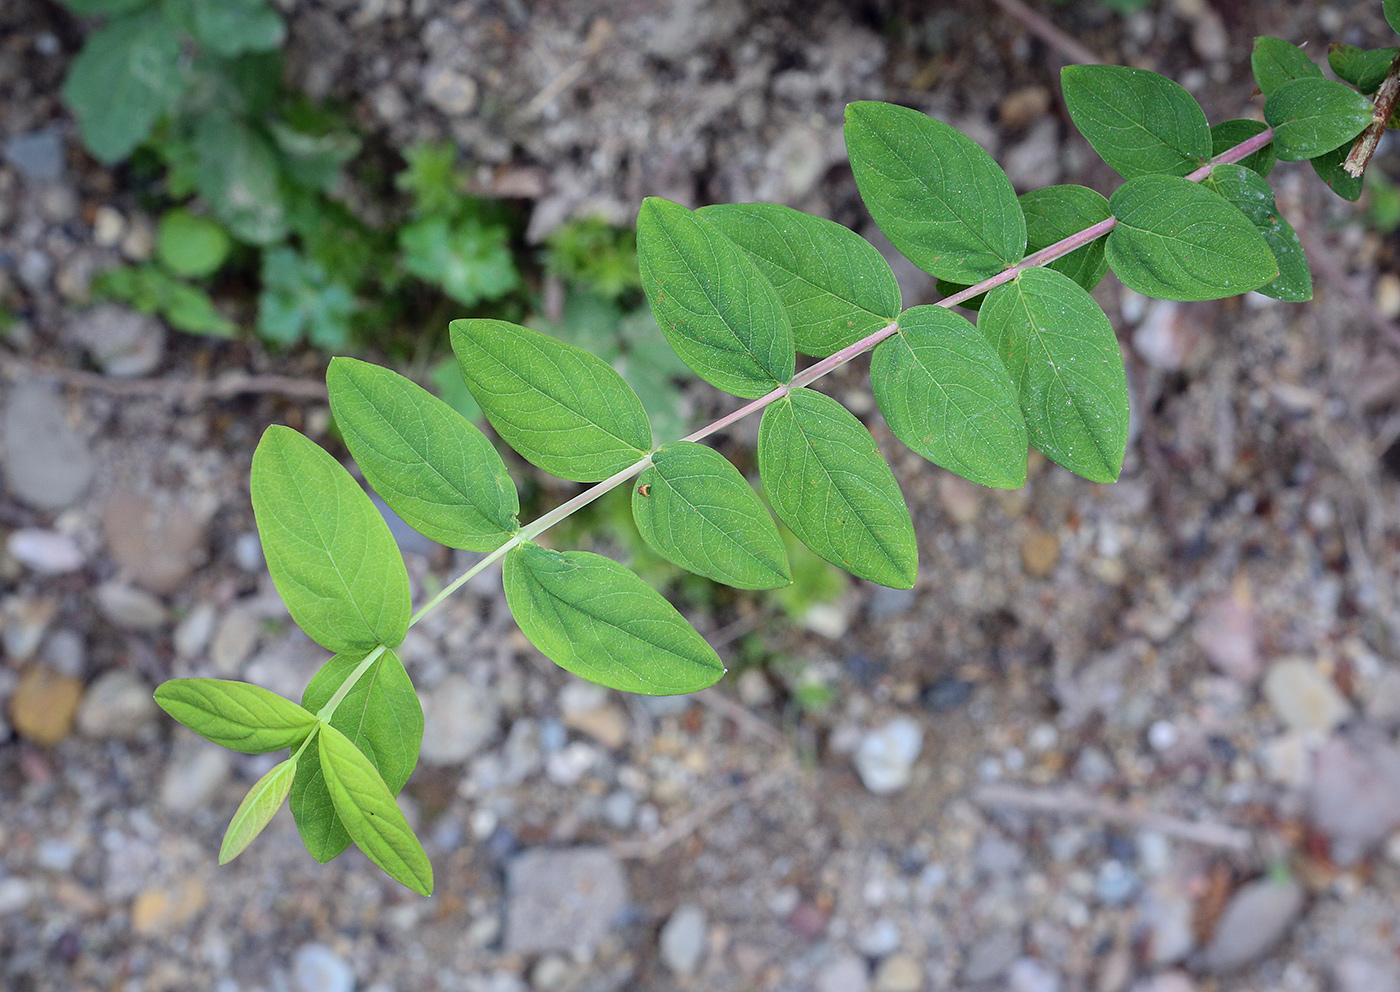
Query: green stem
[306,743]
[328,711]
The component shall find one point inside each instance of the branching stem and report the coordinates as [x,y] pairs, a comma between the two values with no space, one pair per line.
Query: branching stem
[1386,99]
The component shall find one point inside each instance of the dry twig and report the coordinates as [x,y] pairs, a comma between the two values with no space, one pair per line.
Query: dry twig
[1048,33]
[226,386]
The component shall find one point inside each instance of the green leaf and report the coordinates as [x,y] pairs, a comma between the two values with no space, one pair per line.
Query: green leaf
[470,260]
[695,509]
[237,715]
[1312,116]
[1056,212]
[90,8]
[1140,123]
[125,79]
[434,468]
[452,390]
[652,368]
[300,300]
[367,808]
[1364,68]
[238,176]
[382,717]
[829,484]
[946,394]
[314,160]
[593,617]
[1391,9]
[835,285]
[716,309]
[233,27]
[190,309]
[1228,134]
[939,198]
[1328,167]
[1276,62]
[189,245]
[1177,240]
[329,551]
[257,809]
[564,410]
[1248,191]
[1062,353]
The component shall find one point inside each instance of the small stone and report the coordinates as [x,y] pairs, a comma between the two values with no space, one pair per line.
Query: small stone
[550,974]
[1167,335]
[192,633]
[620,809]
[1115,883]
[879,940]
[947,693]
[755,692]
[117,705]
[158,540]
[1355,796]
[1388,295]
[449,91]
[130,608]
[15,895]
[1167,914]
[317,968]
[65,651]
[961,500]
[124,343]
[562,899]
[847,973]
[1304,698]
[571,763]
[900,973]
[46,461]
[56,855]
[683,939]
[234,640]
[23,622]
[43,705]
[1035,160]
[37,155]
[607,725]
[1382,698]
[247,553]
[157,911]
[1169,981]
[459,719]
[1287,760]
[194,777]
[1023,107]
[1030,975]
[991,956]
[108,226]
[47,552]
[1365,973]
[1225,631]
[1040,550]
[1255,919]
[829,620]
[140,240]
[886,755]
[1209,37]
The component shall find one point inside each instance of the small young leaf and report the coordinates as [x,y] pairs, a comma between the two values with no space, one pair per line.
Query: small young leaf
[946,394]
[126,77]
[1139,122]
[1061,351]
[695,509]
[1247,190]
[1364,68]
[564,410]
[1177,240]
[719,313]
[1328,167]
[237,174]
[1276,62]
[189,245]
[1228,134]
[256,810]
[1312,116]
[371,816]
[1056,212]
[939,198]
[382,717]
[300,300]
[829,484]
[470,260]
[238,715]
[329,551]
[233,27]
[836,286]
[592,617]
[432,466]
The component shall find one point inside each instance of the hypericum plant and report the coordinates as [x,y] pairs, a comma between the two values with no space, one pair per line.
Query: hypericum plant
[738,291]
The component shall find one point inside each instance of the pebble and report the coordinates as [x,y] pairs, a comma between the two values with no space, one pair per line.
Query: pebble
[47,552]
[879,940]
[65,651]
[234,640]
[683,939]
[560,899]
[194,777]
[991,956]
[1115,883]
[23,622]
[117,705]
[847,973]
[947,693]
[192,633]
[46,461]
[1355,797]
[37,155]
[56,855]
[124,343]
[755,692]
[459,719]
[960,499]
[157,539]
[108,226]
[449,91]
[44,704]
[1169,981]
[620,809]
[1225,631]
[550,973]
[15,895]
[1255,919]
[35,269]
[1364,973]
[129,608]
[1388,295]
[886,755]
[157,911]
[571,763]
[1304,698]
[1035,161]
[1040,550]
[1024,106]
[317,968]
[1030,975]
[247,552]
[588,709]
[900,973]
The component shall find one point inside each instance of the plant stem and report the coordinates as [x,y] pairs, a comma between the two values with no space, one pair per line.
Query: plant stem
[1386,98]
[804,378]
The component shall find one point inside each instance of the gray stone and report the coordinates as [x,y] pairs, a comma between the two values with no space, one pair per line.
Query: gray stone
[247,552]
[130,608]
[847,973]
[619,809]
[65,652]
[35,269]
[683,939]
[1255,919]
[1304,698]
[193,777]
[900,973]
[47,552]
[47,463]
[879,940]
[1355,797]
[1035,160]
[317,968]
[562,899]
[1030,975]
[117,705]
[459,719]
[37,155]
[886,755]
[193,632]
[1363,973]
[234,640]
[159,538]
[991,956]
[123,342]
[449,91]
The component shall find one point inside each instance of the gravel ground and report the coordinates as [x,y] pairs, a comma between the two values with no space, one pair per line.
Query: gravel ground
[1132,737]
